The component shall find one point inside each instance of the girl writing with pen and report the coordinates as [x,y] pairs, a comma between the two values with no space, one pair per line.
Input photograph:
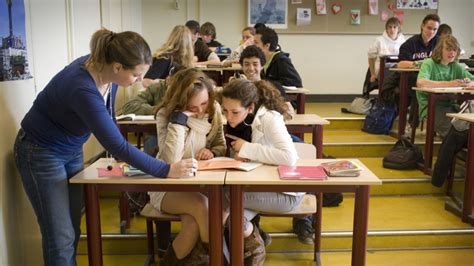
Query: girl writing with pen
[189,124]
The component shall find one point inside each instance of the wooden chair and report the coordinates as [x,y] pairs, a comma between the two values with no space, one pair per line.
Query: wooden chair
[163,230]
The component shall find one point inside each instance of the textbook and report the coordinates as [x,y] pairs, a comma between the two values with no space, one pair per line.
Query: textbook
[134,117]
[227,163]
[301,172]
[129,170]
[343,168]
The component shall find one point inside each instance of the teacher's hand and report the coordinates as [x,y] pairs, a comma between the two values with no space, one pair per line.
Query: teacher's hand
[183,168]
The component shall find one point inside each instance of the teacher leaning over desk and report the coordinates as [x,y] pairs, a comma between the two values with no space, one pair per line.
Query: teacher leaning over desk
[79,101]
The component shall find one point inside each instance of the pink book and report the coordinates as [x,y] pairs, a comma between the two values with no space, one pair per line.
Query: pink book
[302,172]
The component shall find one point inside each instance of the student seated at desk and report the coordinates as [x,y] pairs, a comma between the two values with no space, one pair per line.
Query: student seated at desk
[278,67]
[146,103]
[442,70]
[177,51]
[411,54]
[208,35]
[248,34]
[252,61]
[256,131]
[202,54]
[189,123]
[387,44]
[78,101]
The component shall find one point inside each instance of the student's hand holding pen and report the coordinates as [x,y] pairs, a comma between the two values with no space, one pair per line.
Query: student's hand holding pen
[183,168]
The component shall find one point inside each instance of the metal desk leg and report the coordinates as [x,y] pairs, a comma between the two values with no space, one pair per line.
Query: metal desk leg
[94,241]
[215,225]
[301,100]
[467,215]
[318,140]
[403,104]
[361,216]
[236,226]
[429,132]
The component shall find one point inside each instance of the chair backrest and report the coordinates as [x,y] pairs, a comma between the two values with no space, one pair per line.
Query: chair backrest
[305,150]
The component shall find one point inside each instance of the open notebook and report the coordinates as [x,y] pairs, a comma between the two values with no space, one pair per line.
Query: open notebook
[227,163]
[134,117]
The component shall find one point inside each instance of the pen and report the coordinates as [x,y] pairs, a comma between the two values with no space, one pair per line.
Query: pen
[192,154]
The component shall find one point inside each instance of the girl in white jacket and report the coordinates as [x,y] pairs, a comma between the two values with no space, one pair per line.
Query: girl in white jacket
[256,131]
[188,116]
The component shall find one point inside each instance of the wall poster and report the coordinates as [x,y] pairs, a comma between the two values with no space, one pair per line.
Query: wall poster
[13,53]
[274,13]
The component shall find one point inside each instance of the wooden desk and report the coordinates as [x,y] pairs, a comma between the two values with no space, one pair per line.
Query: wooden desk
[309,123]
[403,104]
[222,74]
[299,95]
[435,94]
[208,181]
[466,210]
[266,178]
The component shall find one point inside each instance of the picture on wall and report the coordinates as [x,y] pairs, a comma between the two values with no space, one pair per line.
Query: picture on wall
[274,13]
[13,53]
[417,4]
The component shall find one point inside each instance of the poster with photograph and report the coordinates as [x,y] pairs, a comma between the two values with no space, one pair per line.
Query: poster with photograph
[13,53]
[274,13]
[417,4]
[303,16]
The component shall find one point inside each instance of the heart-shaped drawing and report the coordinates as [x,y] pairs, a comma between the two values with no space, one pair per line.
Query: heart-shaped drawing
[336,8]
[354,16]
[391,6]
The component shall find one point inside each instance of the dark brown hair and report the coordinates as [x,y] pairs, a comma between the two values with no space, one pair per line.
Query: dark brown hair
[208,29]
[127,48]
[259,92]
[183,86]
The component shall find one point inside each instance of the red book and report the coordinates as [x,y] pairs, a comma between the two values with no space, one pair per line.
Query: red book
[302,172]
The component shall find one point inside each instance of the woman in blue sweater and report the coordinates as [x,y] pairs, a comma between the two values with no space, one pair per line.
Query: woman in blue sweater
[79,101]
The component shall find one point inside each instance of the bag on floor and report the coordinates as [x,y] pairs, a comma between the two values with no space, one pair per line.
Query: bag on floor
[380,118]
[360,105]
[403,156]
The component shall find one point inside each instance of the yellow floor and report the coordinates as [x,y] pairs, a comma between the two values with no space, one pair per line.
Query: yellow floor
[464,257]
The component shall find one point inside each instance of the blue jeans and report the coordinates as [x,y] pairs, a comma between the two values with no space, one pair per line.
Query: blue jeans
[57,204]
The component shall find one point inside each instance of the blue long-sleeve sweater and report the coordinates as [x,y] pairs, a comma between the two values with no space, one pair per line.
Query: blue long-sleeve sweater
[70,108]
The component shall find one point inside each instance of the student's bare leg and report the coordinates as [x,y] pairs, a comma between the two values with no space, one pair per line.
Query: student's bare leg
[195,205]
[188,234]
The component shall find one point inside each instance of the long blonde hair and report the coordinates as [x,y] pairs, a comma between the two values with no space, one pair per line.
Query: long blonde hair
[179,46]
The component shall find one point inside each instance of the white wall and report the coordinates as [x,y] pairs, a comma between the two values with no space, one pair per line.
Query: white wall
[328,64]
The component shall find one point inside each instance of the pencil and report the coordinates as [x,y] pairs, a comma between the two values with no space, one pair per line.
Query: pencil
[192,154]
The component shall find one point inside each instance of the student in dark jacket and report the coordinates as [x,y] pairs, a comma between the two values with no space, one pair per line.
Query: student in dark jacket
[278,67]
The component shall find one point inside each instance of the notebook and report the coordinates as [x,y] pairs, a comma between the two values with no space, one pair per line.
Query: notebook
[301,172]
[343,168]
[129,170]
[134,117]
[227,163]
